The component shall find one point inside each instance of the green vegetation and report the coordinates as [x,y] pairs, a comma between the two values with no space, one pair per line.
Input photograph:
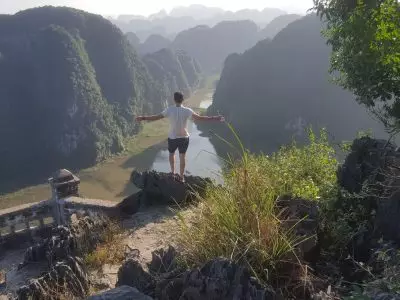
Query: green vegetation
[240,220]
[365,39]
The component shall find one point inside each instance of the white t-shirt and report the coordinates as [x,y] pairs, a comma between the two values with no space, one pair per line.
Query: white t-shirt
[178,118]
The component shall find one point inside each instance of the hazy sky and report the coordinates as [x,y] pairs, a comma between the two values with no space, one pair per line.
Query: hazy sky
[146,7]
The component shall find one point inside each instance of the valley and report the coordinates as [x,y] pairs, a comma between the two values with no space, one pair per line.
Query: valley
[109,180]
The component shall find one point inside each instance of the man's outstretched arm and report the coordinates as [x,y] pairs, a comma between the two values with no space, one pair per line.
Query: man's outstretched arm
[197,117]
[149,118]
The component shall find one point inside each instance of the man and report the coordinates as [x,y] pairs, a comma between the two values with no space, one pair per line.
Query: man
[178,137]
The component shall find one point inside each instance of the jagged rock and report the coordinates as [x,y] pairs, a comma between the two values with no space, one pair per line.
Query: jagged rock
[131,273]
[161,188]
[75,239]
[66,278]
[301,217]
[375,164]
[163,261]
[385,296]
[121,293]
[218,279]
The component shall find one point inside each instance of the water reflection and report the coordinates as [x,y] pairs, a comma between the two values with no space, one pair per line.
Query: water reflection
[201,157]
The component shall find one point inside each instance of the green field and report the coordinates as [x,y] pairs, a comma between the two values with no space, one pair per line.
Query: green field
[109,180]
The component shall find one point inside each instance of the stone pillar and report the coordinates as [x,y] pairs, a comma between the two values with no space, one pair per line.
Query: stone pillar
[63,184]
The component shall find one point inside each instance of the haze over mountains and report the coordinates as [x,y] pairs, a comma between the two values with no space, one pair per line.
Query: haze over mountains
[182,18]
[211,45]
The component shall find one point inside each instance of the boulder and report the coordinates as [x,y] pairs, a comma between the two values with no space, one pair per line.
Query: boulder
[159,188]
[131,205]
[66,278]
[375,164]
[131,273]
[121,293]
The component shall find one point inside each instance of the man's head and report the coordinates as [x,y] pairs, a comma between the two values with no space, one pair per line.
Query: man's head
[178,97]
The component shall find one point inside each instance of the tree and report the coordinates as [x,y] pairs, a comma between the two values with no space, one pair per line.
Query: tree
[365,40]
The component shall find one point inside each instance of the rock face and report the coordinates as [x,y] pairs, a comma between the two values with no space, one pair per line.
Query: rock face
[66,278]
[217,279]
[121,293]
[75,239]
[375,164]
[297,57]
[161,189]
[67,275]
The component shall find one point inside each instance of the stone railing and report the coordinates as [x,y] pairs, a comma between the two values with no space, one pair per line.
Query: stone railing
[25,222]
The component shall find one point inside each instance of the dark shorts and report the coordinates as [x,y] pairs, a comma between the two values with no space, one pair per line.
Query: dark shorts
[181,144]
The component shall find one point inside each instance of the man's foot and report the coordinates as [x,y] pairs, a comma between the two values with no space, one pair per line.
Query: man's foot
[182,178]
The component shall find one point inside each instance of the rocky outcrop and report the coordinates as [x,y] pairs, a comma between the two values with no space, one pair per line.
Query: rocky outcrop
[75,239]
[67,275]
[372,170]
[217,279]
[132,274]
[159,188]
[121,293]
[66,278]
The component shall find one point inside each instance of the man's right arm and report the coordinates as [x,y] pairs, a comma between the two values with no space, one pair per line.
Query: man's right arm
[153,117]
[149,118]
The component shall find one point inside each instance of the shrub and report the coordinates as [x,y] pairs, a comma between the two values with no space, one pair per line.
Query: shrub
[240,221]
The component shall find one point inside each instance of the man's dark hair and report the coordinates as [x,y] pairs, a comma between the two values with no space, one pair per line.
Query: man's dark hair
[178,97]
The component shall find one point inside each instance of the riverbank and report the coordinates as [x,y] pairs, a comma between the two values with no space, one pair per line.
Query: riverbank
[110,179]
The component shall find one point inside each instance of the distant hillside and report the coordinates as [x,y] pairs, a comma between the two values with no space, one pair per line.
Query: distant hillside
[210,46]
[276,25]
[174,71]
[70,88]
[274,90]
[154,43]
[133,39]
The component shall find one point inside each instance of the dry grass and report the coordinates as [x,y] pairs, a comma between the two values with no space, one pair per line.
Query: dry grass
[110,251]
[240,220]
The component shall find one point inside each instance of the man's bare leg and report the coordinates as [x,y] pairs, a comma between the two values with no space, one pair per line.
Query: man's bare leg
[172,162]
[182,164]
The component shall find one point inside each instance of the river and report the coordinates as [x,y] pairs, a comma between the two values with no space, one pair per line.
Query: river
[201,158]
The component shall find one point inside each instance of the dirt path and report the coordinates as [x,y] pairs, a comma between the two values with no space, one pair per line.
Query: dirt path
[146,231]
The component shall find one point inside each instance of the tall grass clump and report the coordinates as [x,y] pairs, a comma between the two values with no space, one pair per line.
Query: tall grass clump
[240,220]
